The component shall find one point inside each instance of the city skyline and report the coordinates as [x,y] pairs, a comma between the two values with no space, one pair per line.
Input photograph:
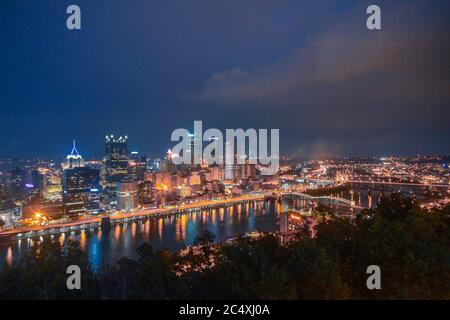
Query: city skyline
[100,155]
[313,70]
[224,150]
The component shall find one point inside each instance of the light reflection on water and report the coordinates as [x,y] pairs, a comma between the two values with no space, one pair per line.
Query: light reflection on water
[175,232]
[172,232]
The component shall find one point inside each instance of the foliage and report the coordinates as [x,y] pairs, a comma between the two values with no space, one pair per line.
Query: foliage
[326,191]
[410,245]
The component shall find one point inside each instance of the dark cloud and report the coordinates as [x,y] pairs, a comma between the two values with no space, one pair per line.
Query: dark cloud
[393,64]
[348,87]
[145,68]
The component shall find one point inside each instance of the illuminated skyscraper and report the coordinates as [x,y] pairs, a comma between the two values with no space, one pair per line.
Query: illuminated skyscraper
[195,142]
[80,190]
[167,164]
[74,159]
[115,163]
[155,165]
[80,185]
[137,166]
[127,196]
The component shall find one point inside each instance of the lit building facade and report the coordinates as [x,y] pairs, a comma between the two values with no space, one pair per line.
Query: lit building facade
[115,163]
[52,189]
[80,186]
[74,159]
[81,190]
[127,196]
[137,167]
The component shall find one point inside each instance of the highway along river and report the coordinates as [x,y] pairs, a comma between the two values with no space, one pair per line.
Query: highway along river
[172,232]
[175,232]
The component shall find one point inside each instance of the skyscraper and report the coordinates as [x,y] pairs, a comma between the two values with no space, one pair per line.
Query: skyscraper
[195,142]
[127,196]
[74,159]
[115,163]
[16,183]
[137,166]
[80,185]
[81,192]
[155,165]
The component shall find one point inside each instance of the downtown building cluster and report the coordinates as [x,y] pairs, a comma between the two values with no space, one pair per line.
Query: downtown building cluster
[124,181]
[36,191]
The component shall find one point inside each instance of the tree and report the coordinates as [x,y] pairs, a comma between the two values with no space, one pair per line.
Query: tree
[317,274]
[155,277]
[250,269]
[410,245]
[206,238]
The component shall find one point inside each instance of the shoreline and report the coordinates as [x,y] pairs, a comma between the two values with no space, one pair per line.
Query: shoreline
[95,222]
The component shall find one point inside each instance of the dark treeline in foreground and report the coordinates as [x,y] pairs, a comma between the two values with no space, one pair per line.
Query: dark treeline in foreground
[411,246]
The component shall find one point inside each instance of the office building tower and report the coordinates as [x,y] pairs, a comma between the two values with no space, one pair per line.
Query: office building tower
[37,180]
[80,186]
[167,164]
[52,187]
[74,159]
[195,142]
[156,165]
[115,163]
[16,184]
[81,190]
[127,196]
[137,166]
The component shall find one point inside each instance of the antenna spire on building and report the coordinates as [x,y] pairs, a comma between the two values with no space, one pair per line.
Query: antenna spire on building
[74,159]
[74,150]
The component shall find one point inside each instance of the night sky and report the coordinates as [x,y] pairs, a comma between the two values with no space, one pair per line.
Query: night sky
[144,68]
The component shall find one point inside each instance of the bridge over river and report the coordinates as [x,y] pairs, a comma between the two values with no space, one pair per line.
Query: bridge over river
[90,222]
[332,199]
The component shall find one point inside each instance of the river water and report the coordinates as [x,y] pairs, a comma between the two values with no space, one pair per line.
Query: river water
[175,232]
[172,232]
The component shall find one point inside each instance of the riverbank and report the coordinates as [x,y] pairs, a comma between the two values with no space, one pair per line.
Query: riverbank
[92,222]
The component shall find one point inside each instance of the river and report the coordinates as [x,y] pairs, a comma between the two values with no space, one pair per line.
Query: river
[175,232]
[172,232]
